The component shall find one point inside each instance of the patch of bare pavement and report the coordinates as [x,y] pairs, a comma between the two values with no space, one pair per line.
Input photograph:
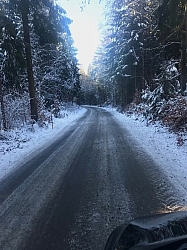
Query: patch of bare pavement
[71,196]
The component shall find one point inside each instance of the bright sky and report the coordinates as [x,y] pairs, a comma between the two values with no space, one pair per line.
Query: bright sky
[84,27]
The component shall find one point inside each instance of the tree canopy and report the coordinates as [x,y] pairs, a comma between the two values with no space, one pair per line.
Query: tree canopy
[142,40]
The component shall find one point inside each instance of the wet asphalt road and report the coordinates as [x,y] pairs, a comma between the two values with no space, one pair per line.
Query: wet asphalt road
[75,192]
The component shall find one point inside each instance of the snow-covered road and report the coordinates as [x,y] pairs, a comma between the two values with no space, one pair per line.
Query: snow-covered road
[99,174]
[157,141]
[162,146]
[108,181]
[26,144]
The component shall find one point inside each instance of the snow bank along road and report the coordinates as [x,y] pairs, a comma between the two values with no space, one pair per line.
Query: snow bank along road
[76,191]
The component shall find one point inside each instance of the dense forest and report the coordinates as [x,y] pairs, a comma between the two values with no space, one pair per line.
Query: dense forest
[142,59]
[140,63]
[38,65]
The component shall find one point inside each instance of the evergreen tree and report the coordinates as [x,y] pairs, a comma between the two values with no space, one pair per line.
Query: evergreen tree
[127,36]
[172,16]
[35,35]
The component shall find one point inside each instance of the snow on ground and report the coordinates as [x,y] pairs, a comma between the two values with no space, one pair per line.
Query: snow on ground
[157,141]
[161,145]
[24,144]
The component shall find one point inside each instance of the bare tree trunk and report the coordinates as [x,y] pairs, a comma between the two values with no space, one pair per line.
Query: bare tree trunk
[2,102]
[183,54]
[33,102]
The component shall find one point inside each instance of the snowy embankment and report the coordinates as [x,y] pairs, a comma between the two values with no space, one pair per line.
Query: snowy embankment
[161,145]
[22,145]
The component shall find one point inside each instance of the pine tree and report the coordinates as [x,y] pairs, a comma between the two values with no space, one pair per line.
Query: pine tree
[37,30]
[172,16]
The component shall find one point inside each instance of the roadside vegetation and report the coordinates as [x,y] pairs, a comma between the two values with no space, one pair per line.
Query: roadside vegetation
[140,65]
[38,66]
